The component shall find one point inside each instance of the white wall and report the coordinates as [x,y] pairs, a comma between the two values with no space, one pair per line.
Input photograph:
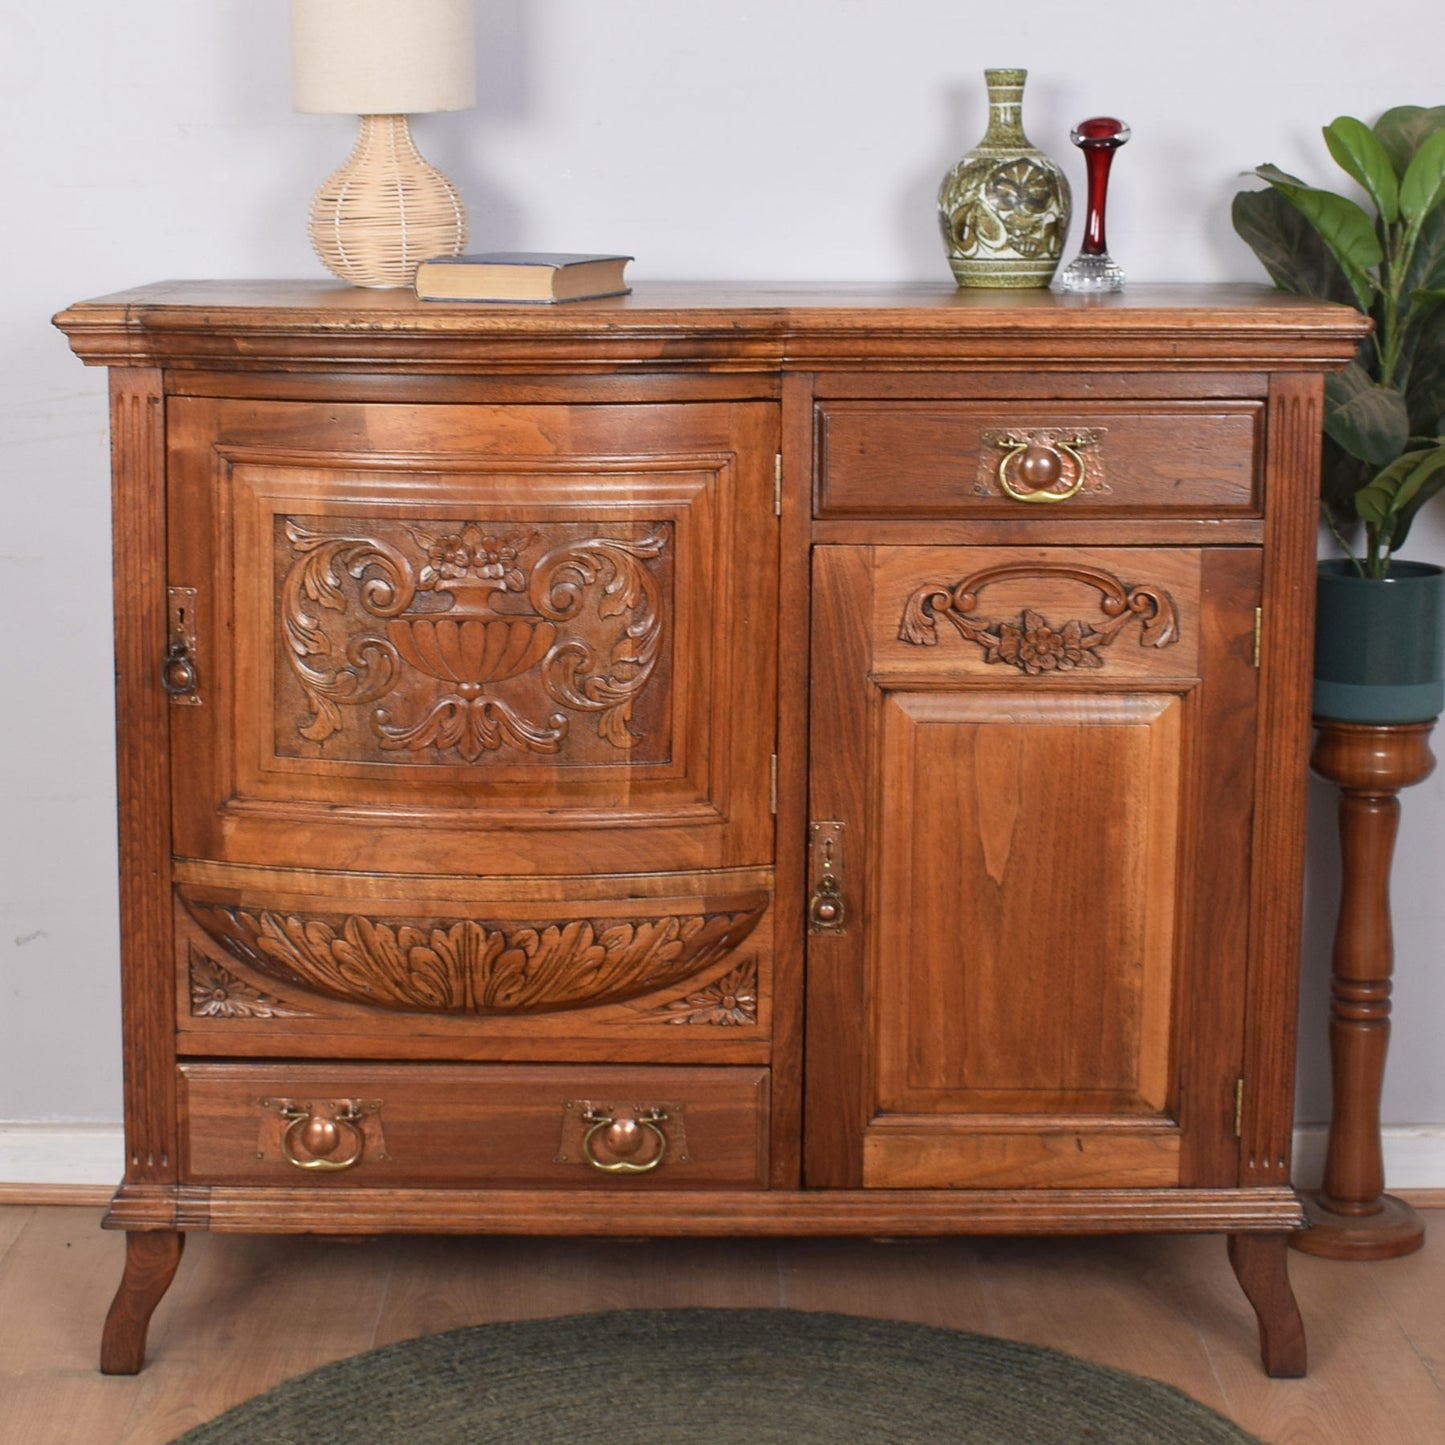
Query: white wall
[769,139]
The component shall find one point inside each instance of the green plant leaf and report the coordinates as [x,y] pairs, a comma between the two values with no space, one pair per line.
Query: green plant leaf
[1422,187]
[1392,500]
[1402,130]
[1289,248]
[1427,265]
[1375,501]
[1397,485]
[1367,419]
[1344,227]
[1358,152]
[1424,354]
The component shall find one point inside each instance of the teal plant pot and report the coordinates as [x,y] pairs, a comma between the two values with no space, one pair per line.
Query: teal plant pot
[1380,643]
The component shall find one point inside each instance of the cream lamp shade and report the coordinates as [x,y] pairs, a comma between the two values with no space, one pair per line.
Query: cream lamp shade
[386,209]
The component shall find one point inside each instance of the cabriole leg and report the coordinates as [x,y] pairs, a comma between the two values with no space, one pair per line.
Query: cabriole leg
[151,1259]
[1261,1264]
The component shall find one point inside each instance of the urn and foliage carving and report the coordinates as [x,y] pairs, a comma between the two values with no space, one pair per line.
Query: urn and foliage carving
[451,614]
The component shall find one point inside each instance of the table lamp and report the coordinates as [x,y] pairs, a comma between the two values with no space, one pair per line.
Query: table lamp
[386,209]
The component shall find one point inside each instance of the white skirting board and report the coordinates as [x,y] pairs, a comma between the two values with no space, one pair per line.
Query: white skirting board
[1414,1155]
[58,1155]
[62,1155]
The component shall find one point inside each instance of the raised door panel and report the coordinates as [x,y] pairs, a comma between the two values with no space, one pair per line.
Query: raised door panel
[475,640]
[1043,896]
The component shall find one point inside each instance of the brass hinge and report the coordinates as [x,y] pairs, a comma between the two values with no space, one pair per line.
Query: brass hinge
[778,485]
[1258,632]
[773,784]
[1239,1107]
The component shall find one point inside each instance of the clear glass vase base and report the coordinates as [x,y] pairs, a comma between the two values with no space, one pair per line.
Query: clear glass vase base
[1091,273]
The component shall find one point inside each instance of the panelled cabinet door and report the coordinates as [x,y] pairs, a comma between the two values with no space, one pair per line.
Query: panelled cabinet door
[1032,774]
[474,639]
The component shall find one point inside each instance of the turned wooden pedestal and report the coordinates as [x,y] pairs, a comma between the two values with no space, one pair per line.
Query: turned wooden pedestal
[1351,1215]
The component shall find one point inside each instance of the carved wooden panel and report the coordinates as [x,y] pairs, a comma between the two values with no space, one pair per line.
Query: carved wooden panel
[1029,641]
[475,638]
[437,641]
[995,612]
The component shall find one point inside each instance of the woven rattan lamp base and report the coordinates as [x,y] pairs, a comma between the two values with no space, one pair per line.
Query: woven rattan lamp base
[386,210]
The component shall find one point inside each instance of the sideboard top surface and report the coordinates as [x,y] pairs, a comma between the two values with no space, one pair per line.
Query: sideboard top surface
[755,326]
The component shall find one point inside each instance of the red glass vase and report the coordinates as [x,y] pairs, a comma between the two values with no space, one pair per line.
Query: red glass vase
[1093,269]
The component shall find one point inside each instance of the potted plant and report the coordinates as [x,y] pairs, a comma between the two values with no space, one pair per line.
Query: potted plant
[1379,656]
[1379,664]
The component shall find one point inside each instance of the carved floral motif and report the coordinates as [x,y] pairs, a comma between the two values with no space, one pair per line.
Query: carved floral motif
[216,993]
[1030,642]
[467,966]
[728,1001]
[448,615]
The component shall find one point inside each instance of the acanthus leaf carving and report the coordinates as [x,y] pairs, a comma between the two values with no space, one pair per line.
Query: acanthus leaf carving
[470,966]
[572,673]
[365,667]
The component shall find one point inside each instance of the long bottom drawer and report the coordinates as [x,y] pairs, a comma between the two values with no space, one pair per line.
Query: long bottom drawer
[439,1124]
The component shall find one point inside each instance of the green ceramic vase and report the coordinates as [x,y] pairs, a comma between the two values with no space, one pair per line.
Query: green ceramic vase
[1004,208]
[1380,643]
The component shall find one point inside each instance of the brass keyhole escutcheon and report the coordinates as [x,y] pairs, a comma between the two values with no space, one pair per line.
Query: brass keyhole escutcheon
[179,675]
[827,911]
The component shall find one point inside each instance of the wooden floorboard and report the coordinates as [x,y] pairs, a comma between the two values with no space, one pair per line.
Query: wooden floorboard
[246,1313]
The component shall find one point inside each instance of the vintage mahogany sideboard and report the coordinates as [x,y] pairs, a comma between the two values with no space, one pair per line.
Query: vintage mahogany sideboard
[727,760]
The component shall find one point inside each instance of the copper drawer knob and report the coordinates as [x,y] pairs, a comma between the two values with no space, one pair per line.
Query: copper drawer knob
[621,1136]
[313,1141]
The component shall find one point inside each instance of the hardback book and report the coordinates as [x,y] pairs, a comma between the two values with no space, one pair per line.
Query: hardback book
[536,276]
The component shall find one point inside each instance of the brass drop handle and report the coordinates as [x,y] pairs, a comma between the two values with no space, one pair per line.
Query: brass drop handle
[826,910]
[178,671]
[623,1135]
[312,1140]
[1040,465]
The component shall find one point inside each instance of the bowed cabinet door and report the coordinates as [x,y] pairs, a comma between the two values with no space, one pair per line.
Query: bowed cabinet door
[1031,805]
[472,718]
[473,639]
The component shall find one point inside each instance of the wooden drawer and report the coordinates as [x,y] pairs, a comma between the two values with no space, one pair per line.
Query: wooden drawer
[429,1124]
[952,458]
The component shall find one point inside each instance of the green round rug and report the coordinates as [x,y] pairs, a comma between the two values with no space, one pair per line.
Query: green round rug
[716,1377]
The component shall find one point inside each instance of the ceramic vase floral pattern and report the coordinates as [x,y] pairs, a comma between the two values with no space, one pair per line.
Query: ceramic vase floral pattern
[1004,207]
